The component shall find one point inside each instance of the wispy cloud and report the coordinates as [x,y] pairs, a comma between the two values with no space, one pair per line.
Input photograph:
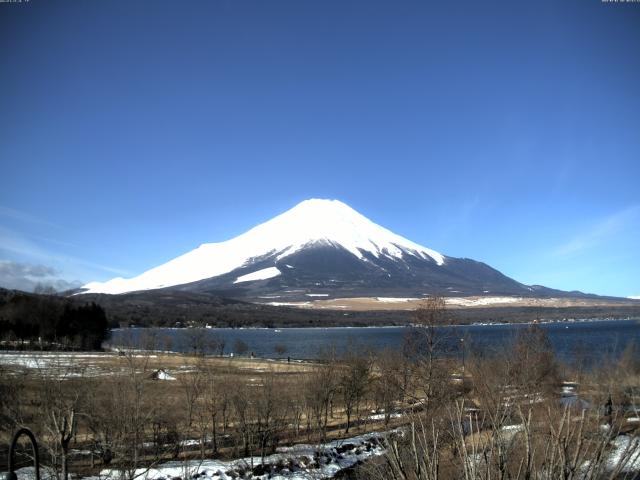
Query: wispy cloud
[14,242]
[24,217]
[34,240]
[27,218]
[26,276]
[600,232]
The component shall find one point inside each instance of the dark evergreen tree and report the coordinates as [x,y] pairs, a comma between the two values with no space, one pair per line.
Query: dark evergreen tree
[53,322]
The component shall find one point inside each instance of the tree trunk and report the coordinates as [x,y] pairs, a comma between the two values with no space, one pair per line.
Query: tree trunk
[64,449]
[214,438]
[348,412]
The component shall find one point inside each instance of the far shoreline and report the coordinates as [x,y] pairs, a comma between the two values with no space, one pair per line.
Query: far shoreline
[540,321]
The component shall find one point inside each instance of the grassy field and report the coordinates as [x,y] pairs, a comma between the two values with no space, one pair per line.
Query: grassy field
[171,399]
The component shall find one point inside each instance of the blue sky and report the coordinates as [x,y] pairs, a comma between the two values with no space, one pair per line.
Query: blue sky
[507,132]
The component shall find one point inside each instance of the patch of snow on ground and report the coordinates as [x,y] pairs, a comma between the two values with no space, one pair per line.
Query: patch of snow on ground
[289,304]
[625,449]
[512,428]
[41,360]
[162,375]
[394,300]
[62,365]
[381,416]
[474,301]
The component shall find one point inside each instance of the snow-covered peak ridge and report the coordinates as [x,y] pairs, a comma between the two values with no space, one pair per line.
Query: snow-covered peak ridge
[310,222]
[335,222]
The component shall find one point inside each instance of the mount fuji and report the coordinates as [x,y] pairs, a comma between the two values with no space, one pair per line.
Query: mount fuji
[320,248]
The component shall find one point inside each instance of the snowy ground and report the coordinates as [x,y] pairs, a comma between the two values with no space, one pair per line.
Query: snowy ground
[625,452]
[65,364]
[304,461]
[382,416]
[481,301]
[299,462]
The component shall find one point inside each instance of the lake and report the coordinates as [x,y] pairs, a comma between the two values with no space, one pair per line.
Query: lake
[587,340]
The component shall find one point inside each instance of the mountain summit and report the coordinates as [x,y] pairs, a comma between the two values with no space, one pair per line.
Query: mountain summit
[319,247]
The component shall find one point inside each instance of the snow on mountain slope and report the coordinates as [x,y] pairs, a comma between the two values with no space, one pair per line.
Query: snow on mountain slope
[263,274]
[310,222]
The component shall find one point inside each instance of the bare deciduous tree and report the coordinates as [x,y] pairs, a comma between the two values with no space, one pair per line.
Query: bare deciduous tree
[353,381]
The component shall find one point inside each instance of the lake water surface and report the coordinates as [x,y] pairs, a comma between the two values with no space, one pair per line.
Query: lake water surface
[589,341]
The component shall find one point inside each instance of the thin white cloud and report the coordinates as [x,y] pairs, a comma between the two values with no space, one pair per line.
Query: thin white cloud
[600,232]
[24,217]
[11,241]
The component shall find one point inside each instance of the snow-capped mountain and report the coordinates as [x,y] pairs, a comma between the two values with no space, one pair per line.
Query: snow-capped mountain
[319,247]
